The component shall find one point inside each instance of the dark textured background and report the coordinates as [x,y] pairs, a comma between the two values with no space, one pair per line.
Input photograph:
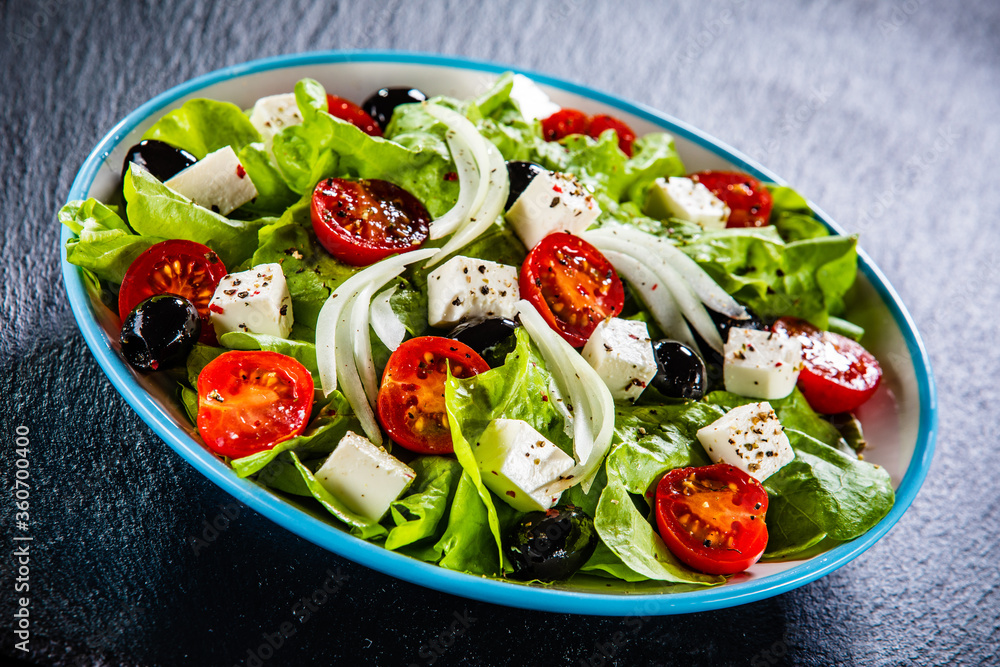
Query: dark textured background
[885,114]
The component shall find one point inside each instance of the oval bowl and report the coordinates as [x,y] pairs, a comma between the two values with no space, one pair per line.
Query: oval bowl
[900,421]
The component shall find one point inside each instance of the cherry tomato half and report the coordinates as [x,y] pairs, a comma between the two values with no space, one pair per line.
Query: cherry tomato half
[572,285]
[712,517]
[360,222]
[250,401]
[411,398]
[748,200]
[183,268]
[839,374]
[626,136]
[564,123]
[353,114]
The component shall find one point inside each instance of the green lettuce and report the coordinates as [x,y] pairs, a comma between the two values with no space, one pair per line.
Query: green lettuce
[157,211]
[104,244]
[419,516]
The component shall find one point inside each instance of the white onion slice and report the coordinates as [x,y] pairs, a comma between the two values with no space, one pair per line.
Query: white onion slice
[492,207]
[468,188]
[340,301]
[384,320]
[466,137]
[360,325]
[593,406]
[347,371]
[661,305]
[686,298]
[709,291]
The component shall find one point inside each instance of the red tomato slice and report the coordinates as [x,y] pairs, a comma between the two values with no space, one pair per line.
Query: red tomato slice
[353,114]
[411,399]
[250,401]
[712,518]
[572,285]
[839,374]
[626,136]
[748,200]
[184,268]
[564,123]
[360,222]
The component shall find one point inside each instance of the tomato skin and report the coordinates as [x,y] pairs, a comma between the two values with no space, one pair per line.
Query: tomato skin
[564,123]
[250,401]
[353,114]
[182,268]
[732,523]
[748,200]
[411,398]
[362,221]
[602,122]
[839,374]
[572,285]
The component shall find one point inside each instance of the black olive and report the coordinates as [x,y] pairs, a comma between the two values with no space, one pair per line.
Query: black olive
[159,158]
[492,337]
[160,332]
[551,545]
[381,105]
[713,359]
[680,372]
[521,174]
[724,323]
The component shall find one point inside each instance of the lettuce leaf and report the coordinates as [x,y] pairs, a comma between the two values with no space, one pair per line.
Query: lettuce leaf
[156,210]
[104,244]
[419,515]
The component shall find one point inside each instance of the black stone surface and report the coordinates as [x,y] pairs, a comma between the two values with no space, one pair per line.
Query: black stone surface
[884,113]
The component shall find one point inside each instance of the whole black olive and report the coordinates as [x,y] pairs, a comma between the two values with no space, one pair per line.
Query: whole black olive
[493,337]
[680,372]
[553,544]
[159,158]
[381,105]
[160,332]
[521,174]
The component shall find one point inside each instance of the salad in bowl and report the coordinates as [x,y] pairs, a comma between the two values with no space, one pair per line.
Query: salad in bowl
[495,334]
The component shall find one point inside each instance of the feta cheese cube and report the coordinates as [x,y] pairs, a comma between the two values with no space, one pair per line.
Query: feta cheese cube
[749,437]
[533,102]
[464,288]
[622,354]
[679,197]
[552,202]
[217,182]
[519,464]
[761,364]
[364,477]
[272,114]
[253,301]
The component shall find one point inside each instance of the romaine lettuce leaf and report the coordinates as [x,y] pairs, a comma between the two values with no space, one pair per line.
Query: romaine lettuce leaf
[419,515]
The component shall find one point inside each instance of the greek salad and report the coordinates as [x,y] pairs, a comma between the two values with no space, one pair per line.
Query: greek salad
[508,338]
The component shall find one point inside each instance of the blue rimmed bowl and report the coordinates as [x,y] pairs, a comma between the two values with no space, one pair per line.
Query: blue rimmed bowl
[900,421]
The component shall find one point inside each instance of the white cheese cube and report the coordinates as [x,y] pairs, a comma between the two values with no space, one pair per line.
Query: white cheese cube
[683,198]
[464,288]
[622,354]
[750,438]
[519,464]
[253,301]
[217,182]
[272,114]
[761,364]
[552,202]
[364,477]
[533,102]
